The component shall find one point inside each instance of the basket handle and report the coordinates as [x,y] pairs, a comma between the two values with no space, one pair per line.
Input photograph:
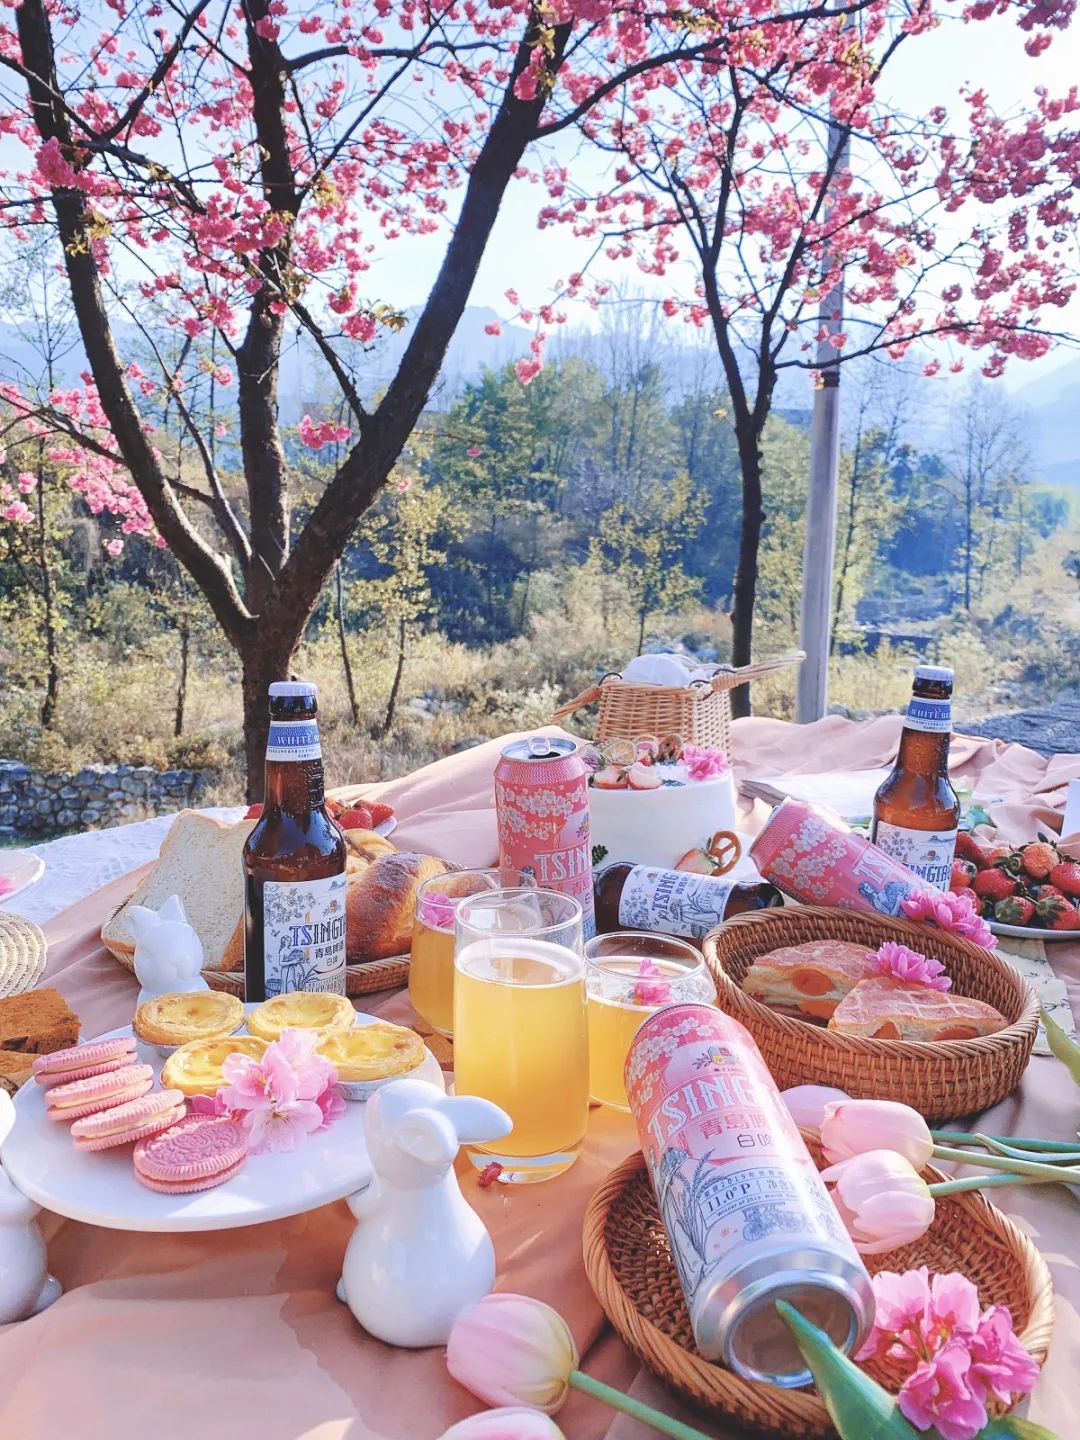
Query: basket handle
[585,698]
[726,678]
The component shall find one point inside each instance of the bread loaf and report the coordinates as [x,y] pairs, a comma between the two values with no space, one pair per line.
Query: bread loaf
[380,904]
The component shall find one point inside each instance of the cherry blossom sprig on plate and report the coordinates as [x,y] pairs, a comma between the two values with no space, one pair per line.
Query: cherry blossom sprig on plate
[280,1099]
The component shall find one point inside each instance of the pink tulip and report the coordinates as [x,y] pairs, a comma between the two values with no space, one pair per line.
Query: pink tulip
[852,1127]
[807,1103]
[510,1350]
[882,1201]
[515,1422]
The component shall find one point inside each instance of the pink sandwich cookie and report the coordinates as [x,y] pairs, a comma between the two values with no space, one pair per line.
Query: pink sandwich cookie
[199,1153]
[124,1124]
[97,1057]
[98,1092]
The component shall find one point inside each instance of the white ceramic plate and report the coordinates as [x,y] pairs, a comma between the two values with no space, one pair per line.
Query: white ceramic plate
[99,1187]
[18,869]
[386,827]
[1032,932]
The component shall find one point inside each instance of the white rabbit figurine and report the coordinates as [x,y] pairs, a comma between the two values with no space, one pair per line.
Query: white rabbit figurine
[26,1287]
[168,953]
[420,1254]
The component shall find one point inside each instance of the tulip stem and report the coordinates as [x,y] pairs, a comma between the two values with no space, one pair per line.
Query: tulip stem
[645,1413]
[975,1182]
[964,1137]
[1028,1168]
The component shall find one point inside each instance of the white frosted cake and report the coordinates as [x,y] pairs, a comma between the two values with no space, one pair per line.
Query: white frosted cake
[653,810]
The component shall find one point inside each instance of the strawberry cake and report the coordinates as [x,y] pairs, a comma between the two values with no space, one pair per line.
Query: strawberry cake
[651,800]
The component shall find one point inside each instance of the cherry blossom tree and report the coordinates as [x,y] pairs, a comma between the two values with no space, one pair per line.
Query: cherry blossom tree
[227,169]
[748,184]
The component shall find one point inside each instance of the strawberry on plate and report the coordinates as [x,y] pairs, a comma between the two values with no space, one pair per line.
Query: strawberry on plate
[357,818]
[1066,877]
[1014,910]
[963,873]
[253,811]
[994,884]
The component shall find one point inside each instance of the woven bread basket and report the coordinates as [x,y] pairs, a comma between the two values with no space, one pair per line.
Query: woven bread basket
[629,1265]
[700,713]
[363,979]
[941,1079]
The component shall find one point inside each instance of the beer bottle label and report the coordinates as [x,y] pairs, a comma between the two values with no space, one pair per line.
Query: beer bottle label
[926,853]
[934,717]
[672,902]
[294,740]
[304,935]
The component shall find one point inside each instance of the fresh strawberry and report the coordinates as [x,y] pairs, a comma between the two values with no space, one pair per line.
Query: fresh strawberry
[333,807]
[1014,910]
[254,811]
[1049,907]
[1066,876]
[1066,917]
[610,778]
[963,872]
[380,812]
[643,777]
[1038,858]
[997,854]
[994,884]
[358,818]
[1048,892]
[696,862]
[967,847]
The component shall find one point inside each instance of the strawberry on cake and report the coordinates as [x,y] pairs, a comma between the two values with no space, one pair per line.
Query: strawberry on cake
[652,800]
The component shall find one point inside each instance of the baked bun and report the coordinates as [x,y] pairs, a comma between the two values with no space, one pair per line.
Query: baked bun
[380,904]
[363,846]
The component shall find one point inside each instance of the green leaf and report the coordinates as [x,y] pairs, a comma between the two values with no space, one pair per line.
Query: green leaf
[1066,1050]
[859,1407]
[1016,1429]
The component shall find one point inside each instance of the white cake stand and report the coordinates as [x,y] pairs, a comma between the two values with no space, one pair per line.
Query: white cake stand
[99,1187]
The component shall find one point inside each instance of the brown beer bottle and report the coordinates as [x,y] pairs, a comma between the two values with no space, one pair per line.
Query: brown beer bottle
[294,862]
[672,902]
[916,810]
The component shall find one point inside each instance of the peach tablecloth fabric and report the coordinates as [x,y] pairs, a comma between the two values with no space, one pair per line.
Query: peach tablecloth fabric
[237,1335]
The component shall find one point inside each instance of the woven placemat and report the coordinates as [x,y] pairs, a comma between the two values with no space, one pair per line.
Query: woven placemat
[629,1265]
[22,954]
[359,979]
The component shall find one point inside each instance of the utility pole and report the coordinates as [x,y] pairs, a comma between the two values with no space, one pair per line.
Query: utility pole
[812,684]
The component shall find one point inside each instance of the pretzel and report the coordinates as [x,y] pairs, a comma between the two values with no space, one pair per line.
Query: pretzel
[725,848]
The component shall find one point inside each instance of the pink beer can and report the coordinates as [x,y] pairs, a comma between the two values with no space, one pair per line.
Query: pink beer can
[542,811]
[748,1216]
[813,857]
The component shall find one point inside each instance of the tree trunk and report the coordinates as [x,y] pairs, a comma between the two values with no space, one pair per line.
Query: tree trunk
[48,596]
[346,663]
[181,687]
[642,616]
[261,664]
[391,704]
[746,570]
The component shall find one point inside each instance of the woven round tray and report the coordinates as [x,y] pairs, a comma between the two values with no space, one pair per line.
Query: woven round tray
[22,954]
[359,979]
[628,1261]
[941,1079]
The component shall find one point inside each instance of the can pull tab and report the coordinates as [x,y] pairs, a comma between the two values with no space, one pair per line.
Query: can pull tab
[539,747]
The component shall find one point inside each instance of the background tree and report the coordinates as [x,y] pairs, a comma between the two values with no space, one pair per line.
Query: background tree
[223,168]
[747,181]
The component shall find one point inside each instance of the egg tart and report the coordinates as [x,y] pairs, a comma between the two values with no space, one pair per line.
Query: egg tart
[367,1056]
[175,1019]
[301,1010]
[195,1069]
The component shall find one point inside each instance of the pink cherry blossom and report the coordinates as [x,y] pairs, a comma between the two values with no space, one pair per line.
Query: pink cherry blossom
[437,910]
[702,764]
[648,990]
[938,1395]
[953,911]
[1000,1366]
[313,1073]
[901,963]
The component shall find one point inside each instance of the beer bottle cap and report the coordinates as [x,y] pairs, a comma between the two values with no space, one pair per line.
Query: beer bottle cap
[292,687]
[934,672]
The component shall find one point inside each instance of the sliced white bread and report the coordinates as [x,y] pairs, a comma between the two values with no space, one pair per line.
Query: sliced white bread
[201,862]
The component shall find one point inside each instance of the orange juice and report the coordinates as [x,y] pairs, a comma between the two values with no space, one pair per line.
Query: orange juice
[431,976]
[520,1040]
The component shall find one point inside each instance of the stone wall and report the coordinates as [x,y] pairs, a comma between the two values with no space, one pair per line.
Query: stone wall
[36,802]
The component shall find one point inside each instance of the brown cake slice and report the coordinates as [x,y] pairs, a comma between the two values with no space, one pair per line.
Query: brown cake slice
[887,1009]
[15,1069]
[37,1023]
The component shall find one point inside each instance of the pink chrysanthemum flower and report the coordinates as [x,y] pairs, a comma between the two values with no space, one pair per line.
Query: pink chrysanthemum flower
[952,911]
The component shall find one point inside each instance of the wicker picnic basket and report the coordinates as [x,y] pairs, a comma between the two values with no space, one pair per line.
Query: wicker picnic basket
[941,1079]
[629,1265]
[700,712]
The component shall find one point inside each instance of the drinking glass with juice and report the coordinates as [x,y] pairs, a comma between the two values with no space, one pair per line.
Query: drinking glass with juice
[520,1035]
[431,967]
[629,975]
